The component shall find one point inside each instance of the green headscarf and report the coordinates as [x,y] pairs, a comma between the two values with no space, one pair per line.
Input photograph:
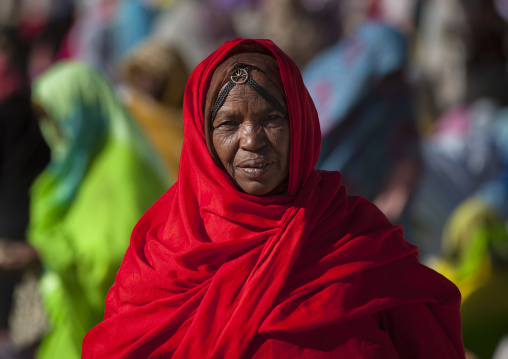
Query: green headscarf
[102,176]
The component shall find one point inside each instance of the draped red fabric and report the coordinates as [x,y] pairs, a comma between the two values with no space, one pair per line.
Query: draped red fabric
[211,271]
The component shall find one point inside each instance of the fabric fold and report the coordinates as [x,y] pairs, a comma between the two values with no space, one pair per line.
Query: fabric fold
[210,269]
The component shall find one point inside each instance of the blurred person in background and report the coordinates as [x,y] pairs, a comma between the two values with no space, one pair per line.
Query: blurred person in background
[437,58]
[458,150]
[105,31]
[460,211]
[90,39]
[458,157]
[194,28]
[246,16]
[460,52]
[396,13]
[301,28]
[367,115]
[23,155]
[153,80]
[132,24]
[44,25]
[440,56]
[474,255]
[102,176]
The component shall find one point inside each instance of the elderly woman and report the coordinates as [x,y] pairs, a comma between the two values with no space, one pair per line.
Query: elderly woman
[253,253]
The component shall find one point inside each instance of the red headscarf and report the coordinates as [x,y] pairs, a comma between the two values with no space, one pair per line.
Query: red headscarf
[209,267]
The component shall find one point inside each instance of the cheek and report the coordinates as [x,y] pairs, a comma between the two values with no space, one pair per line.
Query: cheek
[281,142]
[224,146]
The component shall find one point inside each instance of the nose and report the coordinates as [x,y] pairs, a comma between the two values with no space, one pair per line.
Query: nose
[252,137]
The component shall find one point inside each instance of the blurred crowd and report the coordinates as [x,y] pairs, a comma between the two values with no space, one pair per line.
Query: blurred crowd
[413,102]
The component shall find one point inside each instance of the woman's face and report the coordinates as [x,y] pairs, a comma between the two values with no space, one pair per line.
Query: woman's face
[252,139]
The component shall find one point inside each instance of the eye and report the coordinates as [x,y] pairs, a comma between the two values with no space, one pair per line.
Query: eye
[274,120]
[225,125]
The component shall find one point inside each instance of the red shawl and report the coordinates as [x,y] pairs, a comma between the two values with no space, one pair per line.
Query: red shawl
[210,270]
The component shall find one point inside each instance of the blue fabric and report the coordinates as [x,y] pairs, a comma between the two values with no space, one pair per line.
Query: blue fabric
[133,23]
[365,106]
[495,192]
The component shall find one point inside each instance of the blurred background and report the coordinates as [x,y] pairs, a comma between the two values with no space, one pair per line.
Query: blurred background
[413,102]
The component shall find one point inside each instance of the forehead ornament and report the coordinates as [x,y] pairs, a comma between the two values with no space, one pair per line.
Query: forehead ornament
[240,75]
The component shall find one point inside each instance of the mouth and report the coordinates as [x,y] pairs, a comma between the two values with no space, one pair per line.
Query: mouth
[254,168]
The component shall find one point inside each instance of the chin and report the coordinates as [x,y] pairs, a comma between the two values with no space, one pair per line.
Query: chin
[256,189]
[259,189]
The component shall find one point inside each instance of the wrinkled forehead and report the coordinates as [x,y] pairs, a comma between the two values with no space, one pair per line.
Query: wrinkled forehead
[260,62]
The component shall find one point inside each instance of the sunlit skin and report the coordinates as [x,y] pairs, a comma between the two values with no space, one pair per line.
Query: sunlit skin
[252,139]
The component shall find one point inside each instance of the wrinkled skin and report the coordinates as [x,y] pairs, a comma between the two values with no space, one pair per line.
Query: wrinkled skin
[252,139]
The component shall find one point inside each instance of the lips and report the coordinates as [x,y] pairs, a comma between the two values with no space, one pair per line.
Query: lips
[255,167]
